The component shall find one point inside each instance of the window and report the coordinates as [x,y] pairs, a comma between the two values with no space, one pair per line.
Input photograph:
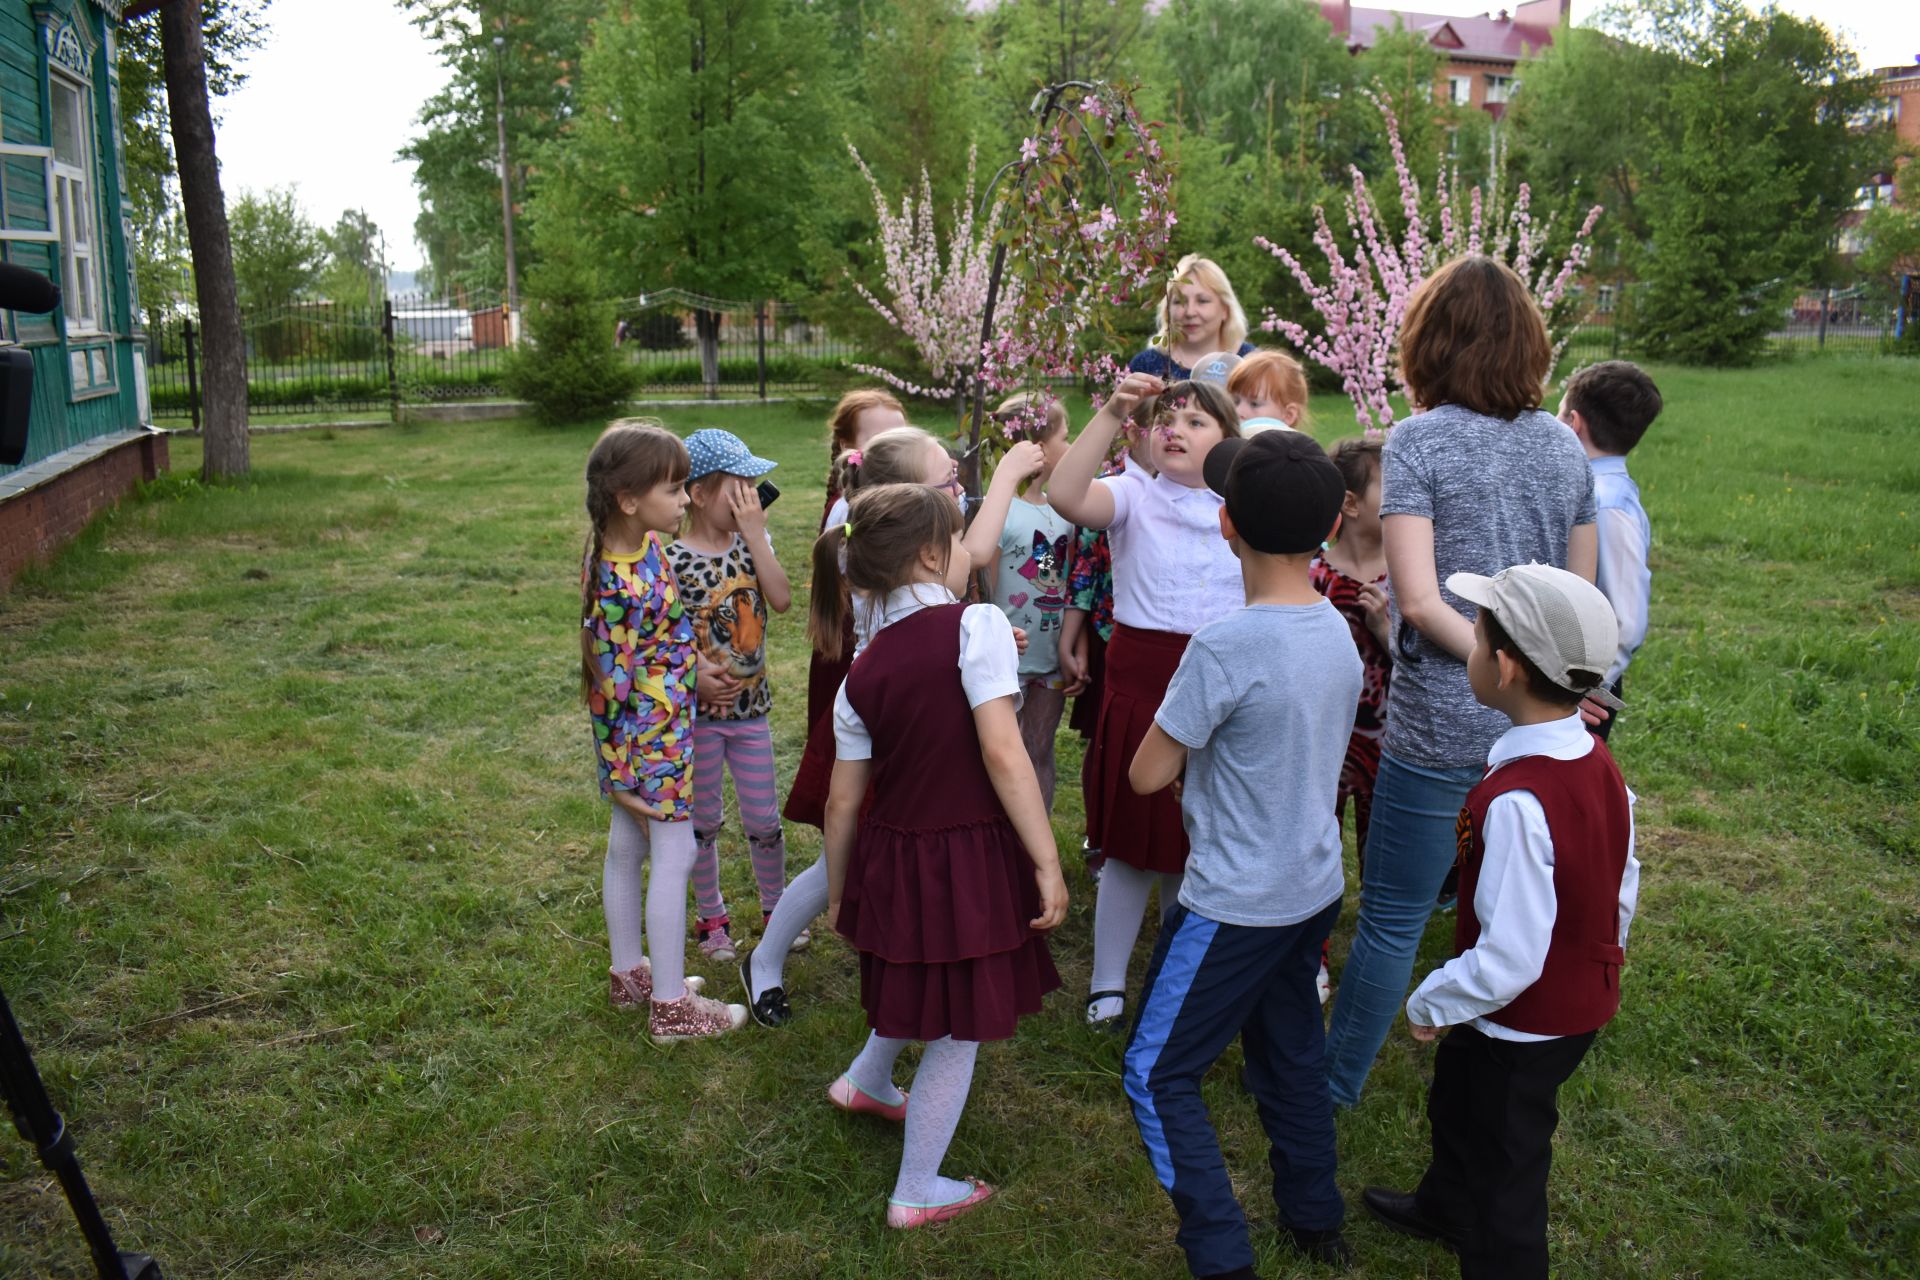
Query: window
[1499,88]
[1460,90]
[74,217]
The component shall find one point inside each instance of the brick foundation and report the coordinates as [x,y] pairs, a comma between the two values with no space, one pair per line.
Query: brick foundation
[36,521]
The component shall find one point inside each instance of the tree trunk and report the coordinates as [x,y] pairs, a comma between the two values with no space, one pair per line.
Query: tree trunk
[184,54]
[706,325]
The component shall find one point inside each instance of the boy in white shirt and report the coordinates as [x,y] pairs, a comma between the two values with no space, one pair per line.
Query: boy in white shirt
[1609,406]
[1548,883]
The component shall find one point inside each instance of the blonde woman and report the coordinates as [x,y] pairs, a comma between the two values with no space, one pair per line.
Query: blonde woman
[1198,316]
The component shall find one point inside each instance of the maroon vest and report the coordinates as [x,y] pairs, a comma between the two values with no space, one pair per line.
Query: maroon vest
[927,770]
[1587,815]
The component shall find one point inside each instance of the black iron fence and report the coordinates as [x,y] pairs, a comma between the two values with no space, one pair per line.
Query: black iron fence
[1861,320]
[317,357]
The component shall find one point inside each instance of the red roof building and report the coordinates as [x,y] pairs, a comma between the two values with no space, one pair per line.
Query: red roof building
[1482,53]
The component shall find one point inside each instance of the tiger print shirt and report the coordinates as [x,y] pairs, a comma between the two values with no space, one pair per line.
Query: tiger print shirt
[722,592]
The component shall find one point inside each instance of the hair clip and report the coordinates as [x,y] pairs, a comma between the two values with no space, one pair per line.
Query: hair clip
[853,457]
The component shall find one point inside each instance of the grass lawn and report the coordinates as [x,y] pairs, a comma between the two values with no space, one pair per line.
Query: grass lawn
[299,899]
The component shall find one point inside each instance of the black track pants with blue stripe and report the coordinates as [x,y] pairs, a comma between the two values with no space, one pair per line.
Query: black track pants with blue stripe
[1208,983]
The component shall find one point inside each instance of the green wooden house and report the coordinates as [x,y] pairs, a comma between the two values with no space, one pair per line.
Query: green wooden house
[63,213]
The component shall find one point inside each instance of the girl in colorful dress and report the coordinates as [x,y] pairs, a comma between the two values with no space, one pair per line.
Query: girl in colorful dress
[637,663]
[729,580]
[1198,315]
[1028,579]
[1352,573]
[905,455]
[948,880]
[1172,574]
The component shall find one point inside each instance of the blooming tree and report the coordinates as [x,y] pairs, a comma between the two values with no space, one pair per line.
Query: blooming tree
[934,300]
[1024,296]
[1364,300]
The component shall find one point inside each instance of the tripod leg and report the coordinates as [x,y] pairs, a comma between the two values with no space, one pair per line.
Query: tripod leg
[41,1125]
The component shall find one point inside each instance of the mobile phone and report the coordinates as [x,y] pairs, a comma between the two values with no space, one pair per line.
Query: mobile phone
[768,493]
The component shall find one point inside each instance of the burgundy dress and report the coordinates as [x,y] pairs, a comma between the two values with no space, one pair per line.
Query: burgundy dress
[939,889]
[807,798]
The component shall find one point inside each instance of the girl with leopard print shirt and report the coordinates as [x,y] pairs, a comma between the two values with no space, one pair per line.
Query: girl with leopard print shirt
[730,579]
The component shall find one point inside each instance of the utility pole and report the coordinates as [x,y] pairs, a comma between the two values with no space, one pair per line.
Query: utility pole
[506,185]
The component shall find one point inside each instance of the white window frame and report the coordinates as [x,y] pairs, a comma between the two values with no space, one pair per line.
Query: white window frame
[1499,89]
[72,205]
[1460,90]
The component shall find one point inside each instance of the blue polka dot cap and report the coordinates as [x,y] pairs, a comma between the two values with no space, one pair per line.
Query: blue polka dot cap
[715,450]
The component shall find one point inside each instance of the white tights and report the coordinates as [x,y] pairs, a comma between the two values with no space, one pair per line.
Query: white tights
[804,899]
[938,1096]
[1117,913]
[665,897]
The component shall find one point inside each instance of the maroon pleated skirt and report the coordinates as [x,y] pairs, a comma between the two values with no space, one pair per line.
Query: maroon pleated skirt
[807,798]
[1141,831]
[940,918]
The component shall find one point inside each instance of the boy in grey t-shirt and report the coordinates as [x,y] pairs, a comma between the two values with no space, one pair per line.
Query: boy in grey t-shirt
[1258,717]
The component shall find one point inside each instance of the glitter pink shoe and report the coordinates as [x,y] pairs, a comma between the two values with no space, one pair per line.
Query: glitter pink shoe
[850,1097]
[693,1017]
[633,988]
[905,1217]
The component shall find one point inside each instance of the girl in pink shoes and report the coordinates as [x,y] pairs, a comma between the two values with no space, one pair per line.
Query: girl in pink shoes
[637,658]
[946,878]
[1172,574]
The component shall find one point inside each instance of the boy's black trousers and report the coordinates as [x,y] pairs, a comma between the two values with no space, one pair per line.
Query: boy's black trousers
[1493,1108]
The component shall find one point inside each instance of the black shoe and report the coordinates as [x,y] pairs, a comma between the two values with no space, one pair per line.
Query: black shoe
[1400,1211]
[770,1010]
[1327,1247]
[1117,1024]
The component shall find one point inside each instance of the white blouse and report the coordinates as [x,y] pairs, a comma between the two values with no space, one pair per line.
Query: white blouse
[1172,571]
[989,660]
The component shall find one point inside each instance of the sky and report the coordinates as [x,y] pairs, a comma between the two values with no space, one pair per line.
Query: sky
[337,90]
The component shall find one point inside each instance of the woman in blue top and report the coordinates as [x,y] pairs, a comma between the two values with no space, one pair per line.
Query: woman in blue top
[1198,316]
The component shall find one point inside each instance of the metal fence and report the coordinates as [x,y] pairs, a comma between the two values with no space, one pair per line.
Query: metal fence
[1860,320]
[317,356]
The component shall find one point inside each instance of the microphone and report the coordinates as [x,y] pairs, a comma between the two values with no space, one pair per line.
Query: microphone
[24,290]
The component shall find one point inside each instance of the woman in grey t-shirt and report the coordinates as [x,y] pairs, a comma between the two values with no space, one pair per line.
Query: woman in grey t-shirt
[1481,480]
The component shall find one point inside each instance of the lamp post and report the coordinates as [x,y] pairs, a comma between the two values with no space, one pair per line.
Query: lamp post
[506,186]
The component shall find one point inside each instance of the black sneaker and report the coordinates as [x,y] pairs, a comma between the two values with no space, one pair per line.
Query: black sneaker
[1330,1248]
[771,1009]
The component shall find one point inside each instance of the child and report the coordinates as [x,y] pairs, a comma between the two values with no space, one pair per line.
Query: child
[1548,884]
[637,660]
[947,881]
[729,578]
[861,415]
[1030,586]
[1088,627]
[1270,384]
[1610,405]
[1172,576]
[1256,719]
[904,455]
[1352,574]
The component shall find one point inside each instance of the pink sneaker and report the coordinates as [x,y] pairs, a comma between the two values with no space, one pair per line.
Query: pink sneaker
[850,1097]
[716,944]
[693,1017]
[905,1217]
[633,989]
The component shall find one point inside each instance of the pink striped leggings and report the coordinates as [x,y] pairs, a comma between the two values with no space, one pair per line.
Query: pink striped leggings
[745,747]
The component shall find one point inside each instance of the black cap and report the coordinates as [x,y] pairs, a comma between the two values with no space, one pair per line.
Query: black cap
[1283,493]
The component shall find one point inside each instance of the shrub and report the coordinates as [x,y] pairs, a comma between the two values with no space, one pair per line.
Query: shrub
[568,368]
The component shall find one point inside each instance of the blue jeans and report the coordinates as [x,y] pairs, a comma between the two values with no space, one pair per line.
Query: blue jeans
[1410,845]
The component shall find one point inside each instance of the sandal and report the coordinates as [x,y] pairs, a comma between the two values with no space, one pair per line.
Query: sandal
[1114,1022]
[905,1217]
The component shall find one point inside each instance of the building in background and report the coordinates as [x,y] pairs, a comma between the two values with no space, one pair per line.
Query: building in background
[1483,54]
[63,213]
